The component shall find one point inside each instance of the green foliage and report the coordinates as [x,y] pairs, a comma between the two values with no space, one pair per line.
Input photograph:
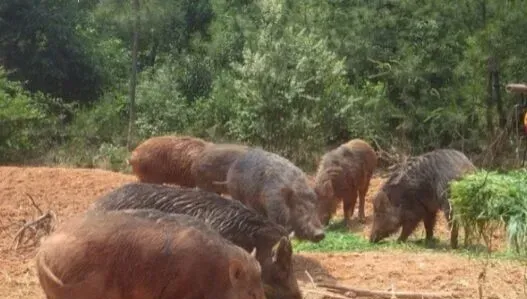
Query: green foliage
[485,201]
[161,108]
[289,92]
[29,123]
[40,44]
[112,157]
[296,77]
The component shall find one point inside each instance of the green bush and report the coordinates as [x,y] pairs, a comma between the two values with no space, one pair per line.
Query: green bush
[30,123]
[289,95]
[485,201]
[161,107]
[105,122]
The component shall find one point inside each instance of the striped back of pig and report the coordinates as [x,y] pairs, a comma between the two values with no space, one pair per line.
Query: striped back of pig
[430,171]
[233,220]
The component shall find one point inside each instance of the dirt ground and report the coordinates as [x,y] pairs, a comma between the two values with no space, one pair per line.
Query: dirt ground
[67,191]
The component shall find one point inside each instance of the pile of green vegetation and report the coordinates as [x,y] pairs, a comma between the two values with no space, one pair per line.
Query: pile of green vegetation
[485,201]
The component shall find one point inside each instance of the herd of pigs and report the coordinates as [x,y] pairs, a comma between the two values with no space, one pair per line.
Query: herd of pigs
[173,234]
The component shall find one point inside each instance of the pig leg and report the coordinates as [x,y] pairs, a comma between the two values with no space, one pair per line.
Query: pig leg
[362,198]
[429,222]
[408,228]
[348,206]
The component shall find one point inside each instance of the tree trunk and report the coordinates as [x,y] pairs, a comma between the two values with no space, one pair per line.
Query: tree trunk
[496,92]
[133,75]
[490,104]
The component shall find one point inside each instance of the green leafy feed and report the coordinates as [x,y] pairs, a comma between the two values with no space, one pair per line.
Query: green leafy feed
[485,201]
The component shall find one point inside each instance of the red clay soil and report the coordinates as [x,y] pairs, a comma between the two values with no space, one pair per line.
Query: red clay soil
[67,191]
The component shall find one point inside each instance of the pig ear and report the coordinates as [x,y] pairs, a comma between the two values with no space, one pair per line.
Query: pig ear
[288,195]
[253,253]
[282,253]
[236,272]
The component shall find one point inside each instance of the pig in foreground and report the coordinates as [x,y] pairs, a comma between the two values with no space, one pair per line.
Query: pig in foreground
[234,221]
[343,174]
[166,159]
[275,187]
[416,191]
[140,255]
[214,163]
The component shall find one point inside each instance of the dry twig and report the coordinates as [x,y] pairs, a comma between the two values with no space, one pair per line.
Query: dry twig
[385,294]
[311,279]
[44,223]
[325,293]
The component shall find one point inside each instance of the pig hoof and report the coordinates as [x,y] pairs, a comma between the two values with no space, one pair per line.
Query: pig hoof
[362,220]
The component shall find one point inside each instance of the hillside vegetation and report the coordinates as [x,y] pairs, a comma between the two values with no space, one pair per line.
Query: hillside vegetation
[296,77]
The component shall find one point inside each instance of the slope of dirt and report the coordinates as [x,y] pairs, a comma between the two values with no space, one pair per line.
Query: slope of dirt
[68,191]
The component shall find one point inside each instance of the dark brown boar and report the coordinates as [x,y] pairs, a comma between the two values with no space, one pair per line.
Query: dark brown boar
[275,187]
[214,163]
[233,220]
[416,191]
[144,255]
[166,159]
[343,174]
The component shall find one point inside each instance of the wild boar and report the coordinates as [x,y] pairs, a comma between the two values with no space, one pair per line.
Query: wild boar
[123,254]
[275,187]
[166,159]
[234,221]
[416,191]
[214,163]
[343,174]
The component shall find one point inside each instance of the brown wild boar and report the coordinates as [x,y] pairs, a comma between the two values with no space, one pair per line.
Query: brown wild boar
[230,218]
[143,255]
[343,174]
[275,187]
[166,159]
[214,163]
[416,191]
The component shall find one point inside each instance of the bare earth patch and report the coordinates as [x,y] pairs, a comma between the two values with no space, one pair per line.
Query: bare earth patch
[68,191]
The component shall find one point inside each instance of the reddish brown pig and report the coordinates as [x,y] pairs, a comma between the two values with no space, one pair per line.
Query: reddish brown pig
[415,192]
[167,159]
[144,255]
[343,174]
[214,163]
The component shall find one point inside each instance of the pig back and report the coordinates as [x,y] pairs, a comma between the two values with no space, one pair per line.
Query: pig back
[426,178]
[213,163]
[167,159]
[233,220]
[259,171]
[352,162]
